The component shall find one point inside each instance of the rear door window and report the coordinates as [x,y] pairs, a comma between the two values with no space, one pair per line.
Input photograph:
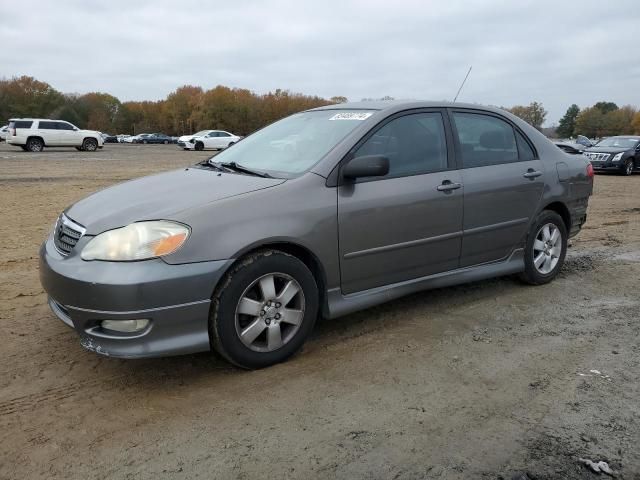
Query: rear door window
[48,125]
[485,140]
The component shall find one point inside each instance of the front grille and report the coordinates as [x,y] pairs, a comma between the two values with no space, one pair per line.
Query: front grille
[66,234]
[597,157]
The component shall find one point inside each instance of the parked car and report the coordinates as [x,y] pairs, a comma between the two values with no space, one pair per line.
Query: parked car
[372,201]
[4,132]
[110,138]
[133,138]
[33,134]
[619,154]
[153,138]
[214,140]
[123,138]
[184,139]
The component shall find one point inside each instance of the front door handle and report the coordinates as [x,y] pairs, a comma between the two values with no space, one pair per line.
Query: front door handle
[448,185]
[531,173]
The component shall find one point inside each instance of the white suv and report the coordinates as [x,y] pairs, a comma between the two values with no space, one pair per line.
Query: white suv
[33,134]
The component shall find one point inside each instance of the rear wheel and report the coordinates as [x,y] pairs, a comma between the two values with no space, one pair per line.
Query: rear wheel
[264,311]
[628,167]
[546,249]
[35,145]
[90,145]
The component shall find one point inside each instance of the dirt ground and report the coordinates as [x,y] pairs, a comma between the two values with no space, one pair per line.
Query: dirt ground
[487,380]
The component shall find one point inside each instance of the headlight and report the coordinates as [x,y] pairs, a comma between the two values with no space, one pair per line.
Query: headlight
[617,157]
[138,241]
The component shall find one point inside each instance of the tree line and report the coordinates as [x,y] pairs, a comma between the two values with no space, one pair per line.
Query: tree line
[185,110]
[191,108]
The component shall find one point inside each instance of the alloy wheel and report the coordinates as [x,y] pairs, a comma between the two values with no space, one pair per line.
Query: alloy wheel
[270,312]
[547,248]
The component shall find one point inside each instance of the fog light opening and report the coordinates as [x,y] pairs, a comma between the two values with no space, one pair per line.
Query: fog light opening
[125,326]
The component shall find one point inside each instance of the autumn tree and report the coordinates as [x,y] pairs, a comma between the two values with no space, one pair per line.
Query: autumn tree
[567,124]
[27,97]
[534,114]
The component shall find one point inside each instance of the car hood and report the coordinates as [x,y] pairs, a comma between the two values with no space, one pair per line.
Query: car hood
[606,149]
[161,197]
[185,138]
[90,132]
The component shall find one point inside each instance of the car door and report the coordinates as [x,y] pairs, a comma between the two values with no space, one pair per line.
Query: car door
[407,224]
[48,130]
[211,140]
[503,184]
[224,138]
[67,134]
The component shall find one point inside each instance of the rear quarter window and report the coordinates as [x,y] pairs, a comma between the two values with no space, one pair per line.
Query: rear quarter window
[20,124]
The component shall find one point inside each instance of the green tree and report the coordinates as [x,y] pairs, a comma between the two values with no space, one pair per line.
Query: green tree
[567,123]
[606,107]
[534,114]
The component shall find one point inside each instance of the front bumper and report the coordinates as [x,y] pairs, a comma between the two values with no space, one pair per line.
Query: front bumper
[607,166]
[174,298]
[189,146]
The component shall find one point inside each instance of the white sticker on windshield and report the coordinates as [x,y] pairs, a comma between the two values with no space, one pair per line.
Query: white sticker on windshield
[351,116]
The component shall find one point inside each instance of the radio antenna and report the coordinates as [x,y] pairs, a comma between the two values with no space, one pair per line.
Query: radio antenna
[462,85]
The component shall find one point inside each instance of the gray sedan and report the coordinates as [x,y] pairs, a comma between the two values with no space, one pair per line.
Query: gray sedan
[323,213]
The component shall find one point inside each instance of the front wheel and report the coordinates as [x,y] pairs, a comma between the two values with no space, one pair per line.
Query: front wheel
[90,145]
[264,310]
[546,249]
[628,167]
[199,146]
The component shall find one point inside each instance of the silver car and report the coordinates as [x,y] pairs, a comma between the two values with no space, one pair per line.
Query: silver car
[323,213]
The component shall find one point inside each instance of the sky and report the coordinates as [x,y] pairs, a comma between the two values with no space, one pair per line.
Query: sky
[555,52]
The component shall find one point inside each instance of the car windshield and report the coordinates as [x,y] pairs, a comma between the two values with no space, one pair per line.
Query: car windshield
[200,133]
[294,144]
[619,142]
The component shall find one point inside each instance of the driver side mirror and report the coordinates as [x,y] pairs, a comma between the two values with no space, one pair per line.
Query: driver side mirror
[366,166]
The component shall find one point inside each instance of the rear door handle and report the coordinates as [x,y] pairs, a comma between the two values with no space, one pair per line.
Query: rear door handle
[531,173]
[448,185]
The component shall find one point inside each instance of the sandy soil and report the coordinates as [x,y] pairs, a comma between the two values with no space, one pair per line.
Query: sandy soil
[477,381]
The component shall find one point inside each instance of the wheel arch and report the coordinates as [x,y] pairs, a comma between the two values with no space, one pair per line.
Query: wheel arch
[562,210]
[35,136]
[302,253]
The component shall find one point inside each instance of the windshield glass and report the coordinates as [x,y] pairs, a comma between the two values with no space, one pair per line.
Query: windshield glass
[200,133]
[294,144]
[618,142]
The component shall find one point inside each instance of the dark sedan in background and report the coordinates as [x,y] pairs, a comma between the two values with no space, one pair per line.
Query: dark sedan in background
[155,138]
[619,154]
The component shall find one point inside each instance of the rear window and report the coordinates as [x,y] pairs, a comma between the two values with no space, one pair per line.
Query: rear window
[20,124]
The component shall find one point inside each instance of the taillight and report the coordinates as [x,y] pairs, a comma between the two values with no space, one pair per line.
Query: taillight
[590,173]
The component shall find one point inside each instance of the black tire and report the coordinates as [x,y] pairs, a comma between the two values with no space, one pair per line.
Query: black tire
[628,167]
[531,274]
[222,323]
[89,145]
[199,146]
[35,144]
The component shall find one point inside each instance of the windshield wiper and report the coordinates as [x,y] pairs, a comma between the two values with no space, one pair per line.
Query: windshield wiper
[214,165]
[239,168]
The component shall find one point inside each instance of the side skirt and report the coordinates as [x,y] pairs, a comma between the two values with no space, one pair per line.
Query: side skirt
[339,304]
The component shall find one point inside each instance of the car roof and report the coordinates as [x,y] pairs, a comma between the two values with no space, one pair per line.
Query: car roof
[398,105]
